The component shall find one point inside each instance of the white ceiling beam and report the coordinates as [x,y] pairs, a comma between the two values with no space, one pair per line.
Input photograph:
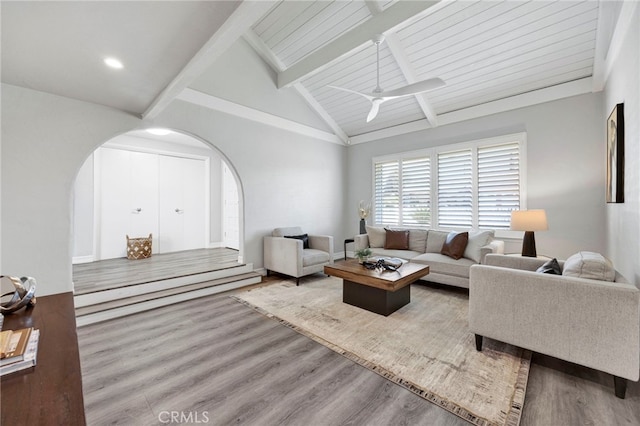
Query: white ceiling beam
[373,6]
[548,94]
[399,14]
[311,101]
[264,51]
[243,18]
[409,72]
[218,104]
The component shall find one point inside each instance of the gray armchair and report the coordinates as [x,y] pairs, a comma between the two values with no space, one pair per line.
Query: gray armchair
[288,255]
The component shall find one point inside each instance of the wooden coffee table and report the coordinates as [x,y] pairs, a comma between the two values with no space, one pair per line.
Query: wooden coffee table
[379,291]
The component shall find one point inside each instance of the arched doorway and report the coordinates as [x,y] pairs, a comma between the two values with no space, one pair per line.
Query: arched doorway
[139,183]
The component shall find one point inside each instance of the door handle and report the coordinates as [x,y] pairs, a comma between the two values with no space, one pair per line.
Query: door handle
[137,211]
[179,211]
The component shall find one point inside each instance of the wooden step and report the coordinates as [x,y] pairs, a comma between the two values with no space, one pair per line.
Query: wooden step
[142,302]
[146,287]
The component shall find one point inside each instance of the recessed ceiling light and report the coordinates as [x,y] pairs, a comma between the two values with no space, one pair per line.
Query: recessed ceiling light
[113,63]
[159,131]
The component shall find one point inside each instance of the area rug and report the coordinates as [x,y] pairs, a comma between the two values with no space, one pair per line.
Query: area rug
[425,346]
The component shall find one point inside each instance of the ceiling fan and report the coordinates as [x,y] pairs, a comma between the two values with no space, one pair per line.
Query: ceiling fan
[378,96]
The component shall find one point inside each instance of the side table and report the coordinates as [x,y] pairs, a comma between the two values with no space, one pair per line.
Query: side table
[347,241]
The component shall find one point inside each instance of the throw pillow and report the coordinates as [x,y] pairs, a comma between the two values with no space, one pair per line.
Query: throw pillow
[550,267]
[477,240]
[586,264]
[455,244]
[376,236]
[397,240]
[303,237]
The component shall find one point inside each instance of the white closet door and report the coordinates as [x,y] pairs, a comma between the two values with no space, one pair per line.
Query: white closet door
[128,202]
[182,204]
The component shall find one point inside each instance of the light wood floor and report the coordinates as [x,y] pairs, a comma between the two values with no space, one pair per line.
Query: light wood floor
[218,356]
[121,272]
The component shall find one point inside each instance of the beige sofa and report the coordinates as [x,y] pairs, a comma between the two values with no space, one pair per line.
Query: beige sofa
[425,248]
[585,321]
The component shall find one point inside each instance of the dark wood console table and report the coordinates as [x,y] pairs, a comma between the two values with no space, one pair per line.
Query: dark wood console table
[50,392]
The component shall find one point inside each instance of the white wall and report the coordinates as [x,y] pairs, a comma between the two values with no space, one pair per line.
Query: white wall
[565,171]
[287,179]
[622,220]
[241,76]
[45,140]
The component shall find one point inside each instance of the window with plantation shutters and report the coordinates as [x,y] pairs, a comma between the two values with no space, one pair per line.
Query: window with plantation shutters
[498,184]
[471,185]
[387,192]
[455,189]
[416,192]
[402,192]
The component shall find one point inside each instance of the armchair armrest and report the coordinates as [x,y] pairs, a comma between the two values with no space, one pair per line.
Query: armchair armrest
[515,262]
[495,246]
[361,241]
[283,255]
[322,242]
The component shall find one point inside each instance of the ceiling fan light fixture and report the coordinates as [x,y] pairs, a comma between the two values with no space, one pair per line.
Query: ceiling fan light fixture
[378,95]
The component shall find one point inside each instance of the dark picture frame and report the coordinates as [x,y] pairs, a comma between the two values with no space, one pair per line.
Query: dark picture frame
[615,155]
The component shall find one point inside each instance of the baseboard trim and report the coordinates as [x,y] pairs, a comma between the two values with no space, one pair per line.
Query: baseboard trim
[82,259]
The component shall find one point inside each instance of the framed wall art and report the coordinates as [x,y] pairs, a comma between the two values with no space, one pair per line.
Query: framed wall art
[615,155]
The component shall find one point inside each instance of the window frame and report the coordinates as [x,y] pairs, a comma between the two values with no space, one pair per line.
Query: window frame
[473,145]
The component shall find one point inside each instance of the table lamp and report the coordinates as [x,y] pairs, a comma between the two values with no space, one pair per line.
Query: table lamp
[529,221]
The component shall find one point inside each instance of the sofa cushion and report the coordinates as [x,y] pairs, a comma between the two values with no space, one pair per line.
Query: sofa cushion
[376,236]
[586,264]
[402,254]
[442,264]
[303,237]
[435,241]
[455,244]
[396,239]
[550,267]
[477,240]
[313,257]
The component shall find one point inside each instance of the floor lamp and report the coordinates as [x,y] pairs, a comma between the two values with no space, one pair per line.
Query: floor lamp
[529,221]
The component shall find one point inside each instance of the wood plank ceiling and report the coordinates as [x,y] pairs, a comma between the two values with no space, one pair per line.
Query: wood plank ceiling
[484,51]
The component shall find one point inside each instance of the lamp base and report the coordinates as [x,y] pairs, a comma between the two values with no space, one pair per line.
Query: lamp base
[529,245]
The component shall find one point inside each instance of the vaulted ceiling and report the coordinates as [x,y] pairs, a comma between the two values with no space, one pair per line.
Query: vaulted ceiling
[502,54]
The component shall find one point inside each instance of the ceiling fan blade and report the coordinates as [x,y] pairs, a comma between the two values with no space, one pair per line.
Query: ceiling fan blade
[412,89]
[375,107]
[366,95]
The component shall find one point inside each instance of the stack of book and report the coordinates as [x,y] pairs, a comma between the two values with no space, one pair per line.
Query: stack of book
[18,349]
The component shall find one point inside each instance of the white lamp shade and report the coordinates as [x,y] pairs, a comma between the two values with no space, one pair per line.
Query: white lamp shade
[529,220]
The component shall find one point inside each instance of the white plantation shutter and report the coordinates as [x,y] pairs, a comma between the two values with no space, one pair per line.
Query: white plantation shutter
[416,192]
[498,184]
[476,185]
[403,192]
[387,192]
[455,189]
